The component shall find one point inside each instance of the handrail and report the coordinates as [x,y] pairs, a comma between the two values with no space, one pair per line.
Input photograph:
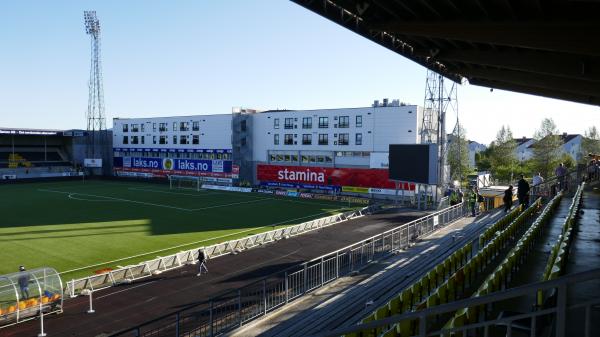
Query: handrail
[592,274]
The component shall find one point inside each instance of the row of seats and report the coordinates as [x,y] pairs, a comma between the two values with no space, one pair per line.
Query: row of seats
[500,277]
[438,286]
[451,289]
[558,255]
[489,232]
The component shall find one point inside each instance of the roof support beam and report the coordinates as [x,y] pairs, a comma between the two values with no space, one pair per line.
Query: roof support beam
[563,65]
[577,87]
[530,90]
[565,37]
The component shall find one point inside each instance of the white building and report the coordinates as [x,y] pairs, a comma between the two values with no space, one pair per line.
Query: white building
[523,151]
[474,148]
[348,147]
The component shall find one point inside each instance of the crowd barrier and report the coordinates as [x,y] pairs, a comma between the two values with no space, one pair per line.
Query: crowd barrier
[161,264]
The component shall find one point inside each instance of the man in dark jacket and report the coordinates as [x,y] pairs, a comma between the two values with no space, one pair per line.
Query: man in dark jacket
[201,262]
[508,195]
[24,282]
[523,192]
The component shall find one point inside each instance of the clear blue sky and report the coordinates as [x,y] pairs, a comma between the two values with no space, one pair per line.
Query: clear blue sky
[163,58]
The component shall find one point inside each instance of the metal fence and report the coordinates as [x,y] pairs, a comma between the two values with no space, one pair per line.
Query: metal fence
[548,320]
[236,307]
[161,264]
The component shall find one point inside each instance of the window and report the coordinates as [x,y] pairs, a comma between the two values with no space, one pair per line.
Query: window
[183,139]
[134,139]
[276,139]
[323,122]
[125,127]
[162,140]
[344,122]
[125,139]
[276,123]
[175,127]
[153,139]
[288,123]
[358,139]
[184,126]
[306,139]
[134,128]
[162,127]
[323,139]
[142,127]
[288,139]
[359,121]
[195,139]
[196,126]
[243,126]
[174,139]
[143,139]
[344,139]
[307,123]
[243,141]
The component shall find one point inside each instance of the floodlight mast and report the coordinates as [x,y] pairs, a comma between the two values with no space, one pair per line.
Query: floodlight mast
[96,122]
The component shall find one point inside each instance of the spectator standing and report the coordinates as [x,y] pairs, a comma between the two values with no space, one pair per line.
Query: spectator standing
[508,195]
[537,179]
[560,173]
[523,192]
[201,262]
[472,201]
[24,282]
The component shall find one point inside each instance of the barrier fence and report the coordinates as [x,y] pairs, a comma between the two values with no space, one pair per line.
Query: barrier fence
[235,308]
[161,264]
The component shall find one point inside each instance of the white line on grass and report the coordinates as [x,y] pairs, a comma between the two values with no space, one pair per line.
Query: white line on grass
[202,193]
[231,204]
[189,244]
[118,199]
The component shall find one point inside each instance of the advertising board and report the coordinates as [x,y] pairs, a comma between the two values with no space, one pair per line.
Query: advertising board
[318,177]
[177,166]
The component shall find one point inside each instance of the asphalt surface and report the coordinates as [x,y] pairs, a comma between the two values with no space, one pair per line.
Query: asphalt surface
[125,306]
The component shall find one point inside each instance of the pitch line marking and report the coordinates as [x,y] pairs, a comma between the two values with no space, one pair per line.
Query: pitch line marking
[188,244]
[231,204]
[117,199]
[202,193]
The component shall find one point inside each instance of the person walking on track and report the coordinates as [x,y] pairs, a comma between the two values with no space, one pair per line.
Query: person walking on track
[201,262]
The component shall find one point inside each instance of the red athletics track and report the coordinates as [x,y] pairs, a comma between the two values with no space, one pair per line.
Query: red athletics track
[126,306]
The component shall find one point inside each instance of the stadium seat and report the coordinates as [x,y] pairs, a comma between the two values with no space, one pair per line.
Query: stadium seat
[395,305]
[432,276]
[406,300]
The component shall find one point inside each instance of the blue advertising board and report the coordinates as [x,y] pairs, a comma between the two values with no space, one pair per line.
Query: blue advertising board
[174,164]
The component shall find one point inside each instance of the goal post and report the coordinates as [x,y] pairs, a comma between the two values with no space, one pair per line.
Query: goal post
[185,182]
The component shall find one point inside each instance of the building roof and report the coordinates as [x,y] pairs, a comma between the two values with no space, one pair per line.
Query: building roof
[564,137]
[546,48]
[521,141]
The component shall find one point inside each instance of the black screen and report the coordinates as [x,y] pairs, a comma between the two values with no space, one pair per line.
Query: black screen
[411,163]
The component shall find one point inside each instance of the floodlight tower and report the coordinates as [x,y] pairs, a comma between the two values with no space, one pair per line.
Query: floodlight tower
[96,123]
[438,100]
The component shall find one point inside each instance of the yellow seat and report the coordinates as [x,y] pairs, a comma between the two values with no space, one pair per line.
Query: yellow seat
[424,284]
[416,293]
[433,299]
[452,288]
[439,270]
[432,275]
[395,305]
[406,297]
[443,292]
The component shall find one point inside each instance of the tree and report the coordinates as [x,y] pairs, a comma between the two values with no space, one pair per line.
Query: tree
[590,143]
[502,156]
[547,149]
[458,154]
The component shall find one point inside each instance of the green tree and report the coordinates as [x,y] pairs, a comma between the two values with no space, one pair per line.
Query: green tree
[458,154]
[590,143]
[502,156]
[547,149]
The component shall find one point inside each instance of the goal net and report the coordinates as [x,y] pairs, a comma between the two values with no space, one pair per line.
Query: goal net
[185,182]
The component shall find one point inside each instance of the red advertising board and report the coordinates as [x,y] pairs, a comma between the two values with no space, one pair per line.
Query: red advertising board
[377,178]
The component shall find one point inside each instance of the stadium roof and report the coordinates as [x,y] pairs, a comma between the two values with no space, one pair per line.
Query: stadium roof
[547,48]
[39,132]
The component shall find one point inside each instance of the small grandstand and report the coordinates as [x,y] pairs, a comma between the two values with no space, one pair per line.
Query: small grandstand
[40,153]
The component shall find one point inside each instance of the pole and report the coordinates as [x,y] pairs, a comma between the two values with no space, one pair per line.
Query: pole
[42,333]
[91,310]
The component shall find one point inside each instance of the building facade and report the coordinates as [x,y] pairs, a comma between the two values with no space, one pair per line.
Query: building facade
[310,149]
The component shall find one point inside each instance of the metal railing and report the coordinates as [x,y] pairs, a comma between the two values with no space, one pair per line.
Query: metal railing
[161,264]
[235,308]
[550,318]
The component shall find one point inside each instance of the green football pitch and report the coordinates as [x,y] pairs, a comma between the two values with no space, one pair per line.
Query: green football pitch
[81,227]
